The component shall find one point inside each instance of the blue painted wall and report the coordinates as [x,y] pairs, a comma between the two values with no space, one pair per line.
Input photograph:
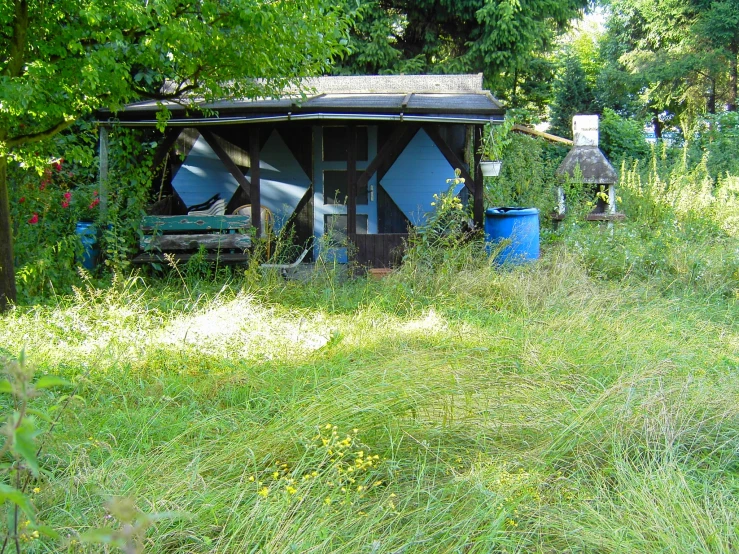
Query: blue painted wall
[419,172]
[202,175]
[283,181]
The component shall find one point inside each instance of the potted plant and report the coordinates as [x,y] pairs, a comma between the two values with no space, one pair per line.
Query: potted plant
[494,143]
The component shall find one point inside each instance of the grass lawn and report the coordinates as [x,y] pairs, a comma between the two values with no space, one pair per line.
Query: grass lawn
[474,411]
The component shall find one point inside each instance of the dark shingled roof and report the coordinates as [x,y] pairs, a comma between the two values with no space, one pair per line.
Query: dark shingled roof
[452,97]
[594,166]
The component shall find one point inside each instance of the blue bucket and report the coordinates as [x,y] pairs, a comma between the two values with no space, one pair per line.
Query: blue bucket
[89,239]
[520,226]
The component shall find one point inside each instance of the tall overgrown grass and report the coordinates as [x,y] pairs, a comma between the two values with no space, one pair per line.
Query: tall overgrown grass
[682,229]
[585,403]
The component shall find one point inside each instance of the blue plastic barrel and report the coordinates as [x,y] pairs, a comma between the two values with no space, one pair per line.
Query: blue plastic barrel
[520,226]
[90,251]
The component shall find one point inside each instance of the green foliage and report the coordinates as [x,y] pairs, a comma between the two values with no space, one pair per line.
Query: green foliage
[717,138]
[527,177]
[19,454]
[446,237]
[46,203]
[108,53]
[129,191]
[573,95]
[498,38]
[677,57]
[682,231]
[496,139]
[622,138]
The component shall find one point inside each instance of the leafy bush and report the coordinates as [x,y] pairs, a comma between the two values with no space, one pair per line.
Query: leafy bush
[443,238]
[622,138]
[527,177]
[45,207]
[47,203]
[717,138]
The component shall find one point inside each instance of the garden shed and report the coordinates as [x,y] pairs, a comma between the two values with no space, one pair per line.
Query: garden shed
[359,157]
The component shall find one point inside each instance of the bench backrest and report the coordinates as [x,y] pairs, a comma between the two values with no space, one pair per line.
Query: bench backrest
[201,223]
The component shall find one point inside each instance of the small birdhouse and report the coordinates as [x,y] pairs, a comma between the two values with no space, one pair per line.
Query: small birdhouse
[596,171]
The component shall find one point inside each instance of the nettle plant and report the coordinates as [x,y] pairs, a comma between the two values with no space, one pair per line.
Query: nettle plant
[25,425]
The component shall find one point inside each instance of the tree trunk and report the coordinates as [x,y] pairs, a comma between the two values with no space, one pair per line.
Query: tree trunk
[657,125]
[712,97]
[7,270]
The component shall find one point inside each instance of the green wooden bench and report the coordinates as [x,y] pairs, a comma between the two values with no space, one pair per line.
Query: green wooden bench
[224,237]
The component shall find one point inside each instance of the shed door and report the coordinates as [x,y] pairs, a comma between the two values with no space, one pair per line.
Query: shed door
[330,182]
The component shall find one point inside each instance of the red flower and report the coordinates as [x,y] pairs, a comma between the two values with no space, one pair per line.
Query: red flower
[94,193]
[34,219]
[68,196]
[65,204]
[21,200]
[94,203]
[58,165]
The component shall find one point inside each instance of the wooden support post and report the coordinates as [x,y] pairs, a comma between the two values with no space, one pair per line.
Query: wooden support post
[255,188]
[351,175]
[479,188]
[103,172]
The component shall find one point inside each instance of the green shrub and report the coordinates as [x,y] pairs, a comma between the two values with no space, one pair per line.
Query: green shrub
[717,139]
[622,138]
[527,177]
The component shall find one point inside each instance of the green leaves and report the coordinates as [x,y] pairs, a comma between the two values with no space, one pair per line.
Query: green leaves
[51,381]
[13,495]
[24,443]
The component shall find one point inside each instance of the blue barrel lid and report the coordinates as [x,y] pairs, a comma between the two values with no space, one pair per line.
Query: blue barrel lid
[511,211]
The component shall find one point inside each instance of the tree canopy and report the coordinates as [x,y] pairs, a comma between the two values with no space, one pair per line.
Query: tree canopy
[61,59]
[677,56]
[504,39]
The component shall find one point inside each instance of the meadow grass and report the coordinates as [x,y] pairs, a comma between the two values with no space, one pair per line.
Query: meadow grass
[459,409]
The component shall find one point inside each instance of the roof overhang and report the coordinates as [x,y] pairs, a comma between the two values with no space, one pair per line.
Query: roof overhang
[440,99]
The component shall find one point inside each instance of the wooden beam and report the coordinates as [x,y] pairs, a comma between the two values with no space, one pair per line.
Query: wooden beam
[255,194]
[163,148]
[233,169]
[182,146]
[479,192]
[433,132]
[351,177]
[389,153]
[540,134]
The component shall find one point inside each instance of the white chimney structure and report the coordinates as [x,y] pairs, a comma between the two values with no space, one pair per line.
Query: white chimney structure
[594,169]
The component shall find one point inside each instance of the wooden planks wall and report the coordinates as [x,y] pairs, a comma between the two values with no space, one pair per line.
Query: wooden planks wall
[384,250]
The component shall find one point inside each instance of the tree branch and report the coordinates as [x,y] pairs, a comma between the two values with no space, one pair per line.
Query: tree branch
[42,135]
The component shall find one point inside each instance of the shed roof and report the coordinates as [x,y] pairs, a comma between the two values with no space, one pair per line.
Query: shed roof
[448,98]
